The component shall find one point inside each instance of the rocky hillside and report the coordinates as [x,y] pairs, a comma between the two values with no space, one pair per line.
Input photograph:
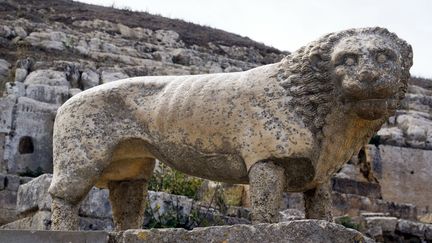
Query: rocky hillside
[115,43]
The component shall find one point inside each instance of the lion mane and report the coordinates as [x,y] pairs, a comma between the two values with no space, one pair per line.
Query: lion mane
[306,75]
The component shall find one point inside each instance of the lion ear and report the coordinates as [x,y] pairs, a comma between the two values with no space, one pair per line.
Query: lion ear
[316,61]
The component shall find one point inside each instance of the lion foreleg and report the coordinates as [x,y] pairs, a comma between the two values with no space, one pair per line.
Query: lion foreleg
[318,202]
[64,215]
[267,183]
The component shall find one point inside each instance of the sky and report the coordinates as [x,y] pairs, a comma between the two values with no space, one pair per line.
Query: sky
[289,24]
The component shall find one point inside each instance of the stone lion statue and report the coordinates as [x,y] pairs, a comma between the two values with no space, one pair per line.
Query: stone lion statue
[287,126]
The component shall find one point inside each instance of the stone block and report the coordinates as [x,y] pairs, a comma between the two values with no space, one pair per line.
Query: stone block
[8,196]
[16,88]
[8,199]
[3,164]
[4,69]
[20,74]
[87,223]
[292,231]
[112,75]
[411,228]
[41,220]
[89,79]
[30,147]
[6,108]
[96,204]
[12,182]
[47,93]
[35,236]
[34,195]
[406,175]
[344,185]
[47,77]
[377,225]
[162,203]
[291,214]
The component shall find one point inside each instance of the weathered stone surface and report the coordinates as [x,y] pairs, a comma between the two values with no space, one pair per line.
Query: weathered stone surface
[31,146]
[40,220]
[25,236]
[4,69]
[6,108]
[412,228]
[8,196]
[349,186]
[89,79]
[96,204]
[47,77]
[377,225]
[47,93]
[353,205]
[406,175]
[34,196]
[16,89]
[293,231]
[175,116]
[162,203]
[51,40]
[111,75]
[291,214]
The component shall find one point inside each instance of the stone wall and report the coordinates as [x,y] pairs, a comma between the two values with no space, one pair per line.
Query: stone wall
[9,185]
[405,175]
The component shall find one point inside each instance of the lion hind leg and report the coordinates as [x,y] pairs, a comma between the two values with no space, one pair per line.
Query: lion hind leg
[127,200]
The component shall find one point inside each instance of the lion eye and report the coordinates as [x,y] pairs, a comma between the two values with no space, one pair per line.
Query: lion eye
[349,61]
[381,58]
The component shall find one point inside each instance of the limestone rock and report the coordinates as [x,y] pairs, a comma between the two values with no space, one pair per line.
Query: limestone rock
[20,74]
[49,40]
[376,226]
[5,31]
[20,31]
[16,89]
[47,77]
[6,108]
[112,75]
[31,148]
[413,228]
[291,214]
[9,185]
[292,231]
[74,91]
[89,79]
[4,69]
[406,182]
[34,196]
[96,204]
[48,93]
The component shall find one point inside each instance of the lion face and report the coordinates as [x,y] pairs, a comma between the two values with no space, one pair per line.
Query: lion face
[367,69]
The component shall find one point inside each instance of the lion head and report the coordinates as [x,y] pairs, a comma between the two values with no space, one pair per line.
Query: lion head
[363,70]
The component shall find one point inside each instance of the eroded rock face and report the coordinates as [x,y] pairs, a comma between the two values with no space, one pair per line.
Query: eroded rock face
[307,114]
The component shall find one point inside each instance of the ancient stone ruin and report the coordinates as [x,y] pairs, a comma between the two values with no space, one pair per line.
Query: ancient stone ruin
[48,55]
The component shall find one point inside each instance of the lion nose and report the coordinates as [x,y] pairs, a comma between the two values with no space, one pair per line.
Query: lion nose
[368,76]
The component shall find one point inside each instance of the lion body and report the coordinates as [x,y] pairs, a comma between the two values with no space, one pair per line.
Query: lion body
[305,116]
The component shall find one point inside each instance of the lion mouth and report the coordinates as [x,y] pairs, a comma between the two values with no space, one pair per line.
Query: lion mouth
[372,109]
